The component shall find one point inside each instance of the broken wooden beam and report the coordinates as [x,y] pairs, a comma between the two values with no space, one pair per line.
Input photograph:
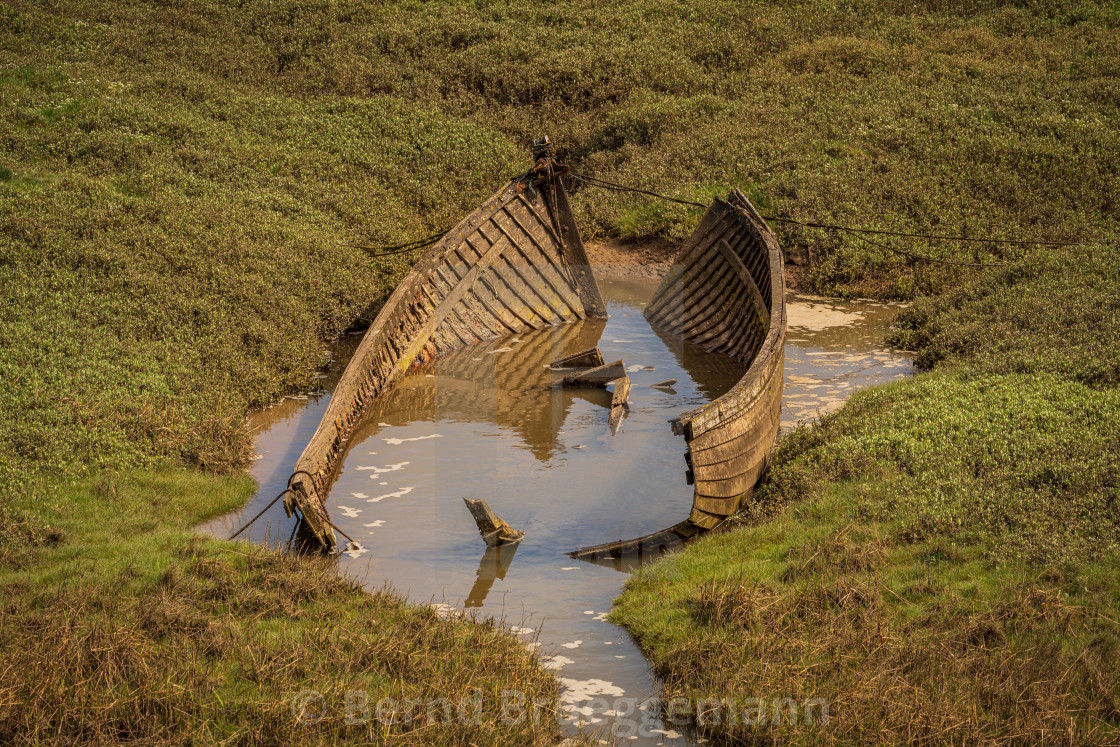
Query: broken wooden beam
[598,376]
[494,530]
[618,402]
[621,391]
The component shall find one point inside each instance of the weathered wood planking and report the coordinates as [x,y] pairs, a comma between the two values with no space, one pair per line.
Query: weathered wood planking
[513,265]
[725,293]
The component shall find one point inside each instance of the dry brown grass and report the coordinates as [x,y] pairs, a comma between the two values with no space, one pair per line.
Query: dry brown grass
[217,646]
[1032,669]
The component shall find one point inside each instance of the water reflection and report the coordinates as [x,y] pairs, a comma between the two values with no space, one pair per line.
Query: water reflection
[493,566]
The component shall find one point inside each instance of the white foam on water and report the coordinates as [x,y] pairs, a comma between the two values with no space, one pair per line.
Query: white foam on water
[573,644]
[379,470]
[577,691]
[398,494]
[556,662]
[399,441]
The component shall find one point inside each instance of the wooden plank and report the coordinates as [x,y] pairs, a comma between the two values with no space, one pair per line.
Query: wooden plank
[551,268]
[598,376]
[737,445]
[494,530]
[621,391]
[677,297]
[718,506]
[540,284]
[704,520]
[486,306]
[421,338]
[712,220]
[576,260]
[747,279]
[515,287]
[590,358]
[701,241]
[618,402]
[699,298]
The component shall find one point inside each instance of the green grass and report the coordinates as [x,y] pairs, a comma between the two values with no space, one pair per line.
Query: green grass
[181,184]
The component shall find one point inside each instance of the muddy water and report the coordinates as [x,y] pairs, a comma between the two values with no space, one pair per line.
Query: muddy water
[483,422]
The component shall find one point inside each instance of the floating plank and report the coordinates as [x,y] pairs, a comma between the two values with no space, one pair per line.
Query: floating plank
[591,358]
[621,390]
[618,402]
[598,376]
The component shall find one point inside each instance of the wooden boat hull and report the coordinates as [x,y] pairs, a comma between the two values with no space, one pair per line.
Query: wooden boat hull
[515,264]
[518,264]
[726,293]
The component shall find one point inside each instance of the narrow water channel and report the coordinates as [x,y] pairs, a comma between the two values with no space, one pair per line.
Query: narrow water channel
[482,422]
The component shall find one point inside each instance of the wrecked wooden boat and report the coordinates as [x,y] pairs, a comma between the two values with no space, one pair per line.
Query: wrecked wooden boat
[515,264]
[725,293]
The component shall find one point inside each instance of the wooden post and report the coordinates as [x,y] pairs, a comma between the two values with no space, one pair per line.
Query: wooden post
[492,528]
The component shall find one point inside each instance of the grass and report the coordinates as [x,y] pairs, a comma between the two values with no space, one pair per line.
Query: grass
[939,559]
[181,187]
[122,625]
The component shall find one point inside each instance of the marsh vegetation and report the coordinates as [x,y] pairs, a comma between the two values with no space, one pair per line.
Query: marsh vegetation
[181,187]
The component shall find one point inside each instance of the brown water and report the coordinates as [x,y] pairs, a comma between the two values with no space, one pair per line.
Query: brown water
[482,422]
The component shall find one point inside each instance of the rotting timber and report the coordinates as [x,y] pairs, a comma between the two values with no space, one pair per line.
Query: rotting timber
[517,264]
[725,293]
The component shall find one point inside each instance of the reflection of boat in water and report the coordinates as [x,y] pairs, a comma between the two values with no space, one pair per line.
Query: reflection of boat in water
[510,388]
[517,264]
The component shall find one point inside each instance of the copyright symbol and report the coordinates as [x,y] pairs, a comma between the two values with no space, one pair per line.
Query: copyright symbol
[309,707]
